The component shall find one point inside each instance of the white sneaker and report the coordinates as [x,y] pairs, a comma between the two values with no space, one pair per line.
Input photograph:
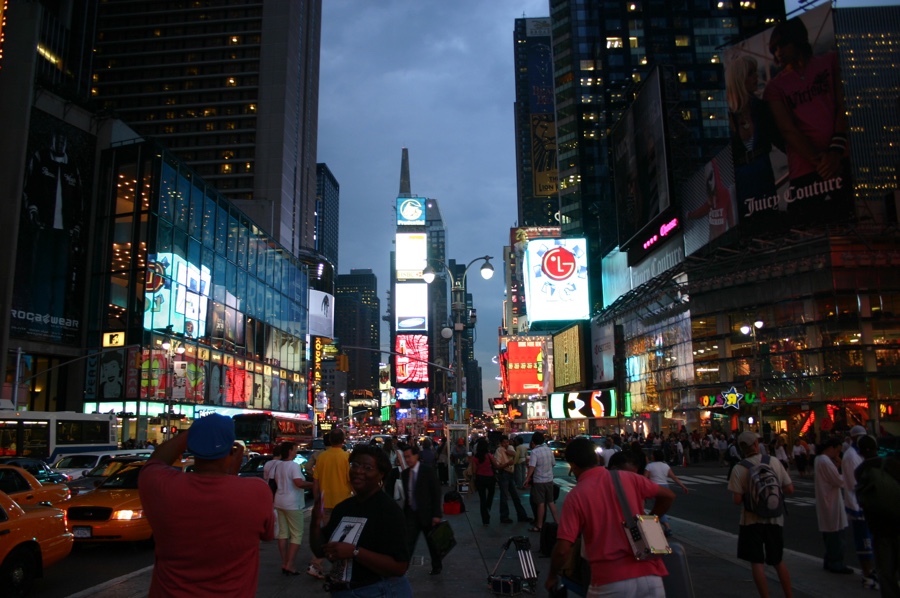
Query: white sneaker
[870,582]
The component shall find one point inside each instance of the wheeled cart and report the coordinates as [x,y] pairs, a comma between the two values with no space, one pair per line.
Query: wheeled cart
[513,585]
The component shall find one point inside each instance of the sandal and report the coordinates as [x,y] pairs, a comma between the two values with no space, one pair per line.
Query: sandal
[534,529]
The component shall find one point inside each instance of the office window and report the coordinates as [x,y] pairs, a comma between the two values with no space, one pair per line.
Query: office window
[682,41]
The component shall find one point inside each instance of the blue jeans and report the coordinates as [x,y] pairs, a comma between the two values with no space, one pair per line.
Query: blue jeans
[485,486]
[506,481]
[391,587]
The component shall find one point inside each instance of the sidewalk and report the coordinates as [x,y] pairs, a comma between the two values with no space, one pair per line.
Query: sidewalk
[714,569]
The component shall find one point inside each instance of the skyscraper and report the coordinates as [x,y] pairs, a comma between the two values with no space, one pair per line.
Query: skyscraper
[536,157]
[328,203]
[357,324]
[232,88]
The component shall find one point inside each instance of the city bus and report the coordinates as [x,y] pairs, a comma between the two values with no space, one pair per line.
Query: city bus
[262,432]
[48,435]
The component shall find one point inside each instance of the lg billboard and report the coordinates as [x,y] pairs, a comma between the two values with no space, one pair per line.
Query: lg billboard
[556,280]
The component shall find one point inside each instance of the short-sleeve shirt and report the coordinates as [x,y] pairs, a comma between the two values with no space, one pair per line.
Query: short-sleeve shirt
[607,549]
[333,474]
[384,527]
[542,460]
[288,496]
[207,531]
[740,482]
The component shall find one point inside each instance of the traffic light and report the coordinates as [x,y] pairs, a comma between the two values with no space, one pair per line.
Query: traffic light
[343,363]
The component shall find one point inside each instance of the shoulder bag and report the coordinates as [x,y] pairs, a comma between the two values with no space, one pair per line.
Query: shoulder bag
[644,532]
[272,483]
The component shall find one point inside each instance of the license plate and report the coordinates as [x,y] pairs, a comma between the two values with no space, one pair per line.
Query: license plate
[81,532]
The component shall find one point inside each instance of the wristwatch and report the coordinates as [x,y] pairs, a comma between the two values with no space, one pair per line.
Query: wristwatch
[355,552]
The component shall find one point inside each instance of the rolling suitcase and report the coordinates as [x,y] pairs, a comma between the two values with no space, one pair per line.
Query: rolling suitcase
[512,585]
[678,582]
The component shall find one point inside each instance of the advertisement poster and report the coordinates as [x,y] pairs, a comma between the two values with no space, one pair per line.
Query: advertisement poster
[411,359]
[411,301]
[49,281]
[789,123]
[518,240]
[321,314]
[583,404]
[524,366]
[709,202]
[556,286]
[603,350]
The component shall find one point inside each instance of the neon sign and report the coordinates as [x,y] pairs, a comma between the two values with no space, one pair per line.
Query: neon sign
[664,230]
[729,398]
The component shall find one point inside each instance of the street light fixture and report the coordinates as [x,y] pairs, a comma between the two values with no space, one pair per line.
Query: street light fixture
[170,386]
[756,368]
[458,308]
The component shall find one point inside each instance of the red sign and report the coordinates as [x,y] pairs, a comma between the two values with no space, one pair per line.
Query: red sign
[525,367]
[559,263]
[412,359]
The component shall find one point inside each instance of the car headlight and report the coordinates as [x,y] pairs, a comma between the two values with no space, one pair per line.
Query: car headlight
[128,515]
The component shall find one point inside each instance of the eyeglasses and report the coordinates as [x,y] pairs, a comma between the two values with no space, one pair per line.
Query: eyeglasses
[363,466]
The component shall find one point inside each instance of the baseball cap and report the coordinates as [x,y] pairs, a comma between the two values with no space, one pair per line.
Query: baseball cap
[748,438]
[211,437]
[858,431]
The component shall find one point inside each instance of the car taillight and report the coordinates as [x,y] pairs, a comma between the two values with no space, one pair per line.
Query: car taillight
[128,515]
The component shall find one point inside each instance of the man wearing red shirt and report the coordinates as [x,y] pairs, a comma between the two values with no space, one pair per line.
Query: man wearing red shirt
[614,569]
[207,524]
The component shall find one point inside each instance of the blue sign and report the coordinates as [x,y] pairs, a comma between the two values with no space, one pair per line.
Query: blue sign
[410,211]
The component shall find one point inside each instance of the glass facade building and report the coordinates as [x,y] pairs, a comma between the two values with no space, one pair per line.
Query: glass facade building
[207,308]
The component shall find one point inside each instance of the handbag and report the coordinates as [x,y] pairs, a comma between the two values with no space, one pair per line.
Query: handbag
[273,485]
[644,532]
[441,538]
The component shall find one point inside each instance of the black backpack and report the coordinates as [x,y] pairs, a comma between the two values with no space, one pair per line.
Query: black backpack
[273,485]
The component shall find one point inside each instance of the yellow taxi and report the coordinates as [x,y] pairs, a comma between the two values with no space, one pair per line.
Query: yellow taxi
[34,537]
[25,489]
[112,512]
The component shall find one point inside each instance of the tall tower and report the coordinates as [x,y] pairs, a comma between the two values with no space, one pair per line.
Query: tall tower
[356,323]
[328,203]
[232,88]
[536,156]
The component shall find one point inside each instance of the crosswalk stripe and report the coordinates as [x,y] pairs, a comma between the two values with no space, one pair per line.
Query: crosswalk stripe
[701,479]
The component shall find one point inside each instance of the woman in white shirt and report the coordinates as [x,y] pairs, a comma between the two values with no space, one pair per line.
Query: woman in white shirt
[289,504]
[660,473]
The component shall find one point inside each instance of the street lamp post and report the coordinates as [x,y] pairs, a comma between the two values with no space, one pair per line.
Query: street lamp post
[458,308]
[756,369]
[171,351]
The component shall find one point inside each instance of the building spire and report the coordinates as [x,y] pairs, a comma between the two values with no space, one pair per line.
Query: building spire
[405,189]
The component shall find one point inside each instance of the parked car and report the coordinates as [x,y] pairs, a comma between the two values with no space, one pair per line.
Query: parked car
[95,476]
[34,538]
[25,489]
[40,470]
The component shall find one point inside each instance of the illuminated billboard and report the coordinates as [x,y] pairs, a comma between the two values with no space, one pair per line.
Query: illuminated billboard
[518,241]
[583,404]
[556,280]
[176,294]
[523,364]
[384,376]
[708,201]
[792,99]
[412,394]
[321,314]
[539,57]
[568,358]
[640,165]
[411,361]
[411,304]
[410,255]
[410,211]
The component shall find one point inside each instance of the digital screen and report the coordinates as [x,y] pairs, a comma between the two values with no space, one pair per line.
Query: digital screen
[604,350]
[411,361]
[410,255]
[709,202]
[556,285]
[412,394]
[411,304]
[568,359]
[525,373]
[321,314]
[583,404]
[176,294]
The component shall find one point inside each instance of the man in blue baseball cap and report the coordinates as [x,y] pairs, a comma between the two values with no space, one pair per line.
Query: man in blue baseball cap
[207,524]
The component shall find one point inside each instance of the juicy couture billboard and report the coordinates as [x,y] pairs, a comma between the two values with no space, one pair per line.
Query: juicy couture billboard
[788,123]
